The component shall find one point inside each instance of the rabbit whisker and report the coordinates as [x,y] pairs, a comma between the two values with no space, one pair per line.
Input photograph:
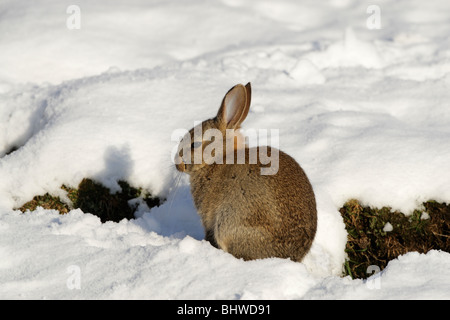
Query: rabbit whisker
[177,182]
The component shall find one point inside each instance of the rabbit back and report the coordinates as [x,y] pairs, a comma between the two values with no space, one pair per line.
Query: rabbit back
[254,216]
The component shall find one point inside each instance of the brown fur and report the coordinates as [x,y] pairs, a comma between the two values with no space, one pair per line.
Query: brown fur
[250,215]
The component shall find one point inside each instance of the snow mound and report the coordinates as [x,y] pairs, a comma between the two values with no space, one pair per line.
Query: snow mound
[128,260]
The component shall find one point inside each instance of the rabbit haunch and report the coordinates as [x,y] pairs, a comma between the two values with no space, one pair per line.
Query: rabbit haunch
[229,149]
[243,212]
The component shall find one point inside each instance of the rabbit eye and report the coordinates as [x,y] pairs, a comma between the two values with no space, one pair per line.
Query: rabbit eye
[196,144]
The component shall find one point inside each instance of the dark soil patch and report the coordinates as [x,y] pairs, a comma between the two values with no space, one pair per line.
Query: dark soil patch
[370,243]
[92,197]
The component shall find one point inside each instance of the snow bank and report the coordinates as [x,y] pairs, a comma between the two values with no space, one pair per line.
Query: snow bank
[363,111]
[127,260]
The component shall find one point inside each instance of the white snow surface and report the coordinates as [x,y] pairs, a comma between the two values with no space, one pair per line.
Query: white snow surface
[365,112]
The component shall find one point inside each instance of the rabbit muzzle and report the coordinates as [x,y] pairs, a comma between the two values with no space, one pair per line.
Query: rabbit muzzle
[181,166]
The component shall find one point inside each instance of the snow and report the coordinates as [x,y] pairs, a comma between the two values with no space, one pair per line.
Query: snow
[364,111]
[388,227]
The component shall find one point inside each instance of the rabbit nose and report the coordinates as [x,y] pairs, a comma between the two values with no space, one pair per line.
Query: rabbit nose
[181,166]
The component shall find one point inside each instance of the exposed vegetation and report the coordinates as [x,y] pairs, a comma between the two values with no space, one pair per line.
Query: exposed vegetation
[46,201]
[94,198]
[376,236]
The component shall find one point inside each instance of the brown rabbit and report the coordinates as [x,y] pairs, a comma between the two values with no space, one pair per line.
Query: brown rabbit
[246,213]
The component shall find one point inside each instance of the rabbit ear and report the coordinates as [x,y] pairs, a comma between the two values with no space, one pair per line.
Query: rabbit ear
[248,89]
[235,106]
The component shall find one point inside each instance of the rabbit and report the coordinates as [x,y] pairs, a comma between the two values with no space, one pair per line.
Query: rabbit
[247,214]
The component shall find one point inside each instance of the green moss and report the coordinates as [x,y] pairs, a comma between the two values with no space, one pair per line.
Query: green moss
[46,201]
